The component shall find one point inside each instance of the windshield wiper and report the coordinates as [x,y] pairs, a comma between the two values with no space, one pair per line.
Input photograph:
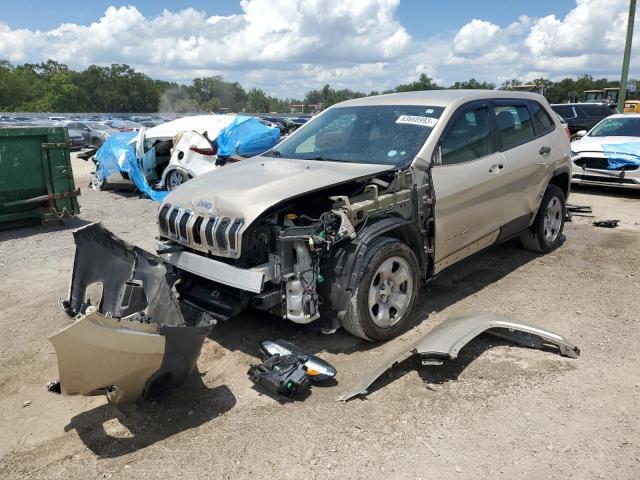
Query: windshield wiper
[276,153]
[325,159]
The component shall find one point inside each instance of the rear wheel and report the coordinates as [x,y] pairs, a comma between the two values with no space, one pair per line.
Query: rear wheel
[174,179]
[545,234]
[387,288]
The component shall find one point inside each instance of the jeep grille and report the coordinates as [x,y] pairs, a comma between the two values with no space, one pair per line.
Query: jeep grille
[208,233]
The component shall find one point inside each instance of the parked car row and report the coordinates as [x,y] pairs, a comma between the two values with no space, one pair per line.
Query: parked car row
[583,116]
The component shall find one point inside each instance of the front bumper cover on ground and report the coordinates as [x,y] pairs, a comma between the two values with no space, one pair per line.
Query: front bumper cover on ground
[445,341]
[137,336]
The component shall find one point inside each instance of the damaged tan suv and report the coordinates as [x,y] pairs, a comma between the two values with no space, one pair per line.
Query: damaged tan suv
[339,224]
[342,222]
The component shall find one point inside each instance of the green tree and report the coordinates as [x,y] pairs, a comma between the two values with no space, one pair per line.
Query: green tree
[474,84]
[424,83]
[257,101]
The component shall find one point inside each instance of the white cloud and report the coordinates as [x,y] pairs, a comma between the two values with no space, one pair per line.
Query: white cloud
[589,39]
[475,36]
[314,36]
[290,46]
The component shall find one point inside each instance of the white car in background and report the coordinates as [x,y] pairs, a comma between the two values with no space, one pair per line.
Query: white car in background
[182,148]
[609,154]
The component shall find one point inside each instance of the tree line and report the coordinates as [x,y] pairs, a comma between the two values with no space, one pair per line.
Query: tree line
[53,87]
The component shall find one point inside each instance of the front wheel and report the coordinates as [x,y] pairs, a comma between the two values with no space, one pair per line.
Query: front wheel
[545,234]
[387,288]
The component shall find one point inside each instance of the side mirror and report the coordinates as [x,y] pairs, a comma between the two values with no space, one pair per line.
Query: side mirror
[580,133]
[436,158]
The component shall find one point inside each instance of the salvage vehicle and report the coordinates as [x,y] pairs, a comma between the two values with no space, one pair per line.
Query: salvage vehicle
[123,125]
[339,224]
[609,154]
[342,221]
[163,157]
[95,133]
[583,116]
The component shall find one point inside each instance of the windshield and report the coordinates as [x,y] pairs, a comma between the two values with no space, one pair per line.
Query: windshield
[389,135]
[617,127]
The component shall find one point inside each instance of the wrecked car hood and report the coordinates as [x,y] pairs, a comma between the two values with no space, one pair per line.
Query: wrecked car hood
[445,340]
[596,144]
[246,189]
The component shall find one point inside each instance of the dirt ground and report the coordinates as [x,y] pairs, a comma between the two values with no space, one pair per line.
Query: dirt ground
[498,411]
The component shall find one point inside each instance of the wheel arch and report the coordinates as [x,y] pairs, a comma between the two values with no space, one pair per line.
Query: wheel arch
[342,266]
[562,178]
[171,168]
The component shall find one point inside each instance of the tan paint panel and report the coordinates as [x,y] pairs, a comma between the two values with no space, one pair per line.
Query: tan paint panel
[97,351]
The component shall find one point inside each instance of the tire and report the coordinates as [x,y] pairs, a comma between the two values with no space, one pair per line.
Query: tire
[388,281]
[174,179]
[545,234]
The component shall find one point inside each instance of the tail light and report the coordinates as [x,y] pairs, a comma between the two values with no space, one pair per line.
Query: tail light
[204,151]
[566,130]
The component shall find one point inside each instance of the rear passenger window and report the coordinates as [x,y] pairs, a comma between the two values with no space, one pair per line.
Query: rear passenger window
[514,125]
[468,138]
[543,121]
[565,112]
[595,110]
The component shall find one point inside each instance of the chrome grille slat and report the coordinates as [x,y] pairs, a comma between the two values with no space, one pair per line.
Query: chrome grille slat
[233,233]
[196,234]
[172,221]
[208,232]
[221,237]
[182,226]
[162,218]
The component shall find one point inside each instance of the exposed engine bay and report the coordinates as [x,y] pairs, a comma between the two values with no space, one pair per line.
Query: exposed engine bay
[293,252]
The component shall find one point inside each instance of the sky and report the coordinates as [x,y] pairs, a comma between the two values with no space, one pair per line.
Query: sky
[287,47]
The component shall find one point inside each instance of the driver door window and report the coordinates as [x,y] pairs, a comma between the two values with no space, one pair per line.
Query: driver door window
[469,137]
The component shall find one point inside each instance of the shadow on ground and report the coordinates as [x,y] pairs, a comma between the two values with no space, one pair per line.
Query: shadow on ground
[151,420]
[19,231]
[450,370]
[458,282]
[604,191]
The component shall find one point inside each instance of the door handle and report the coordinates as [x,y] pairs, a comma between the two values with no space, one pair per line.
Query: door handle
[544,151]
[497,168]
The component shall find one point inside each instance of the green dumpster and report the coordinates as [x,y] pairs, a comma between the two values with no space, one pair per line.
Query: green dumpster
[36,179]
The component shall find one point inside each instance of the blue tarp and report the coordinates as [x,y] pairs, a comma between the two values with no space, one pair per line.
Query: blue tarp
[245,136]
[118,155]
[620,155]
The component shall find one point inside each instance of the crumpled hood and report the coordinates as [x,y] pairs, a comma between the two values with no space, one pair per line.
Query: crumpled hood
[595,144]
[247,188]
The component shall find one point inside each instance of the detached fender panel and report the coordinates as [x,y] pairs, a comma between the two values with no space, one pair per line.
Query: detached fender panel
[445,341]
[343,265]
